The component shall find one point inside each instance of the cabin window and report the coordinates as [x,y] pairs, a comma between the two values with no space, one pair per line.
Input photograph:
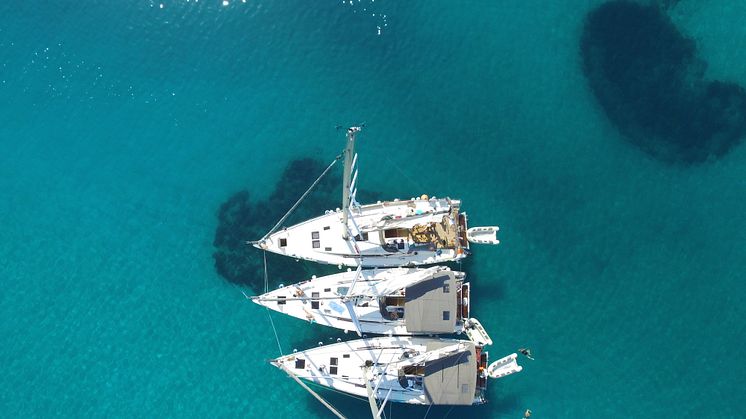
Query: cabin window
[283,242]
[327,290]
[300,363]
[333,370]
[328,249]
[314,303]
[345,355]
[446,315]
[326,227]
[333,361]
[446,288]
[315,235]
[464,388]
[281,300]
[362,237]
[316,244]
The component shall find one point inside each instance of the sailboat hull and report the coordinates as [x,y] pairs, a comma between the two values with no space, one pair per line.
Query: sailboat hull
[394,301]
[449,378]
[384,234]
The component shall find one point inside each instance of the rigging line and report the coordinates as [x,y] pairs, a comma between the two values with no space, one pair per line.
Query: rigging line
[448,413]
[412,181]
[313,185]
[313,393]
[383,404]
[359,398]
[428,411]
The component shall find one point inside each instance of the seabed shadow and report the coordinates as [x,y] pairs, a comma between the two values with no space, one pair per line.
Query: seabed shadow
[650,83]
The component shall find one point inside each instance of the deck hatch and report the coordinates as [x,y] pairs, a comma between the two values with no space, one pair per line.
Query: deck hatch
[316,244]
[300,363]
[395,232]
[314,303]
[283,242]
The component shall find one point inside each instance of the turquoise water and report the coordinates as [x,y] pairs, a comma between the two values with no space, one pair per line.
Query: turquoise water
[124,126]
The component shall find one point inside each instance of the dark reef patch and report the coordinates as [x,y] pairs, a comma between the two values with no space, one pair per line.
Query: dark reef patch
[648,80]
[240,219]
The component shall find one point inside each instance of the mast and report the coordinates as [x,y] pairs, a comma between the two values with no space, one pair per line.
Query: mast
[347,184]
[371,396]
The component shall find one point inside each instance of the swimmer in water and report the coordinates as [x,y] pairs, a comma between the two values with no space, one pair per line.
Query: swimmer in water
[526,352]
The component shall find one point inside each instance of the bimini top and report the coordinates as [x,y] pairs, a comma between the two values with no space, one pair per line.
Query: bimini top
[451,379]
[430,305]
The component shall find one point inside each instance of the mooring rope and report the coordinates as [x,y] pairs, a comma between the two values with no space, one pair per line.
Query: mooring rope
[266,276]
[266,290]
[279,347]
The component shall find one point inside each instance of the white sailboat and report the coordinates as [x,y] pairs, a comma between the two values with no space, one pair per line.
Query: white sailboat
[394,301]
[415,370]
[411,232]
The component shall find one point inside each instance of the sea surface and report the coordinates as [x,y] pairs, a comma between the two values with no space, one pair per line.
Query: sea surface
[125,125]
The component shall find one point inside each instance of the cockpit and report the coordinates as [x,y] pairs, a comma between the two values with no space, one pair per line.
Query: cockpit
[410,377]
